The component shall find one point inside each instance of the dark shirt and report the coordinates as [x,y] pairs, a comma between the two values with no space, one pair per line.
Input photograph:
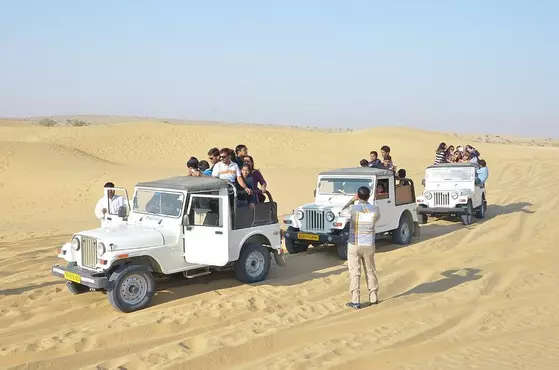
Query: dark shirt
[376,164]
[258,178]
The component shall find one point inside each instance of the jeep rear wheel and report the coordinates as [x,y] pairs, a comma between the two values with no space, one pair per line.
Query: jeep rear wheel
[481,210]
[131,288]
[468,217]
[404,232]
[253,264]
[76,288]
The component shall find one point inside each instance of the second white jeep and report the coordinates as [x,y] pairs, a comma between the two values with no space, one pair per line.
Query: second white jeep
[320,222]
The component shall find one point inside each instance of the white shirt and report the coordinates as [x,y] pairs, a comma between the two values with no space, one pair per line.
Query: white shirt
[226,171]
[115,203]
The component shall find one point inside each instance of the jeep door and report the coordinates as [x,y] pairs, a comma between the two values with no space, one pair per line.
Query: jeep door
[206,230]
[385,200]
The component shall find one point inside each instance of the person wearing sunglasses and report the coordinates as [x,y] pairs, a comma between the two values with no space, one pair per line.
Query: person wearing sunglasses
[226,169]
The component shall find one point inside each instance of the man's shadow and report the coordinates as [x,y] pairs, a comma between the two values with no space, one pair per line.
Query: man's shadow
[451,280]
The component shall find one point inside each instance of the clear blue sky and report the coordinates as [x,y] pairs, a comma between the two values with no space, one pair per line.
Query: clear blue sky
[478,66]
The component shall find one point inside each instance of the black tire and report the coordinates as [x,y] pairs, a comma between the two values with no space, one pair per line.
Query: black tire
[253,264]
[468,217]
[294,246]
[482,210]
[342,250]
[76,288]
[131,288]
[404,232]
[423,218]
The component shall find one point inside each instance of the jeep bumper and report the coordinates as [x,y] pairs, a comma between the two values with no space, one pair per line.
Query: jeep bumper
[81,276]
[441,210]
[319,238]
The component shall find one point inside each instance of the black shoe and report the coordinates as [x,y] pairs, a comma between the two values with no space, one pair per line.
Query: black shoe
[355,306]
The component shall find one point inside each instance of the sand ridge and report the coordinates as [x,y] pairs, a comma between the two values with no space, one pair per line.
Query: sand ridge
[462,296]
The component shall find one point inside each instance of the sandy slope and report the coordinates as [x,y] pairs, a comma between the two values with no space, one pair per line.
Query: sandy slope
[481,296]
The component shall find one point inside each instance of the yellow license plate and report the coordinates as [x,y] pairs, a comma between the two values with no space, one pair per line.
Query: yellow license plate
[72,277]
[308,236]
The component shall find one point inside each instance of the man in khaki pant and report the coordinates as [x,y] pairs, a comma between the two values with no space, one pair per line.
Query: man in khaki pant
[361,246]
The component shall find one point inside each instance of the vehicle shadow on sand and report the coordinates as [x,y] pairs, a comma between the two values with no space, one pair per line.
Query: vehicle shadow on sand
[23,289]
[494,210]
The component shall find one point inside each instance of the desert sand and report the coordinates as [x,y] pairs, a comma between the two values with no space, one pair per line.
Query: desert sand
[482,296]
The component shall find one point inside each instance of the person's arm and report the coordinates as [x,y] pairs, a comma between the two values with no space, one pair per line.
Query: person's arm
[100,210]
[215,170]
[243,185]
[261,180]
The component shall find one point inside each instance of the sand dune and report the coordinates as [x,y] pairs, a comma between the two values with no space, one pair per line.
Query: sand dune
[460,297]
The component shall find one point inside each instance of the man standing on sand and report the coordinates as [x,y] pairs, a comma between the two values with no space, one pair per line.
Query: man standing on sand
[109,203]
[361,246]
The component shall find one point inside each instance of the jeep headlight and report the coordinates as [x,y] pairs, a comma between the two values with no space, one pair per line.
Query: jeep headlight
[101,249]
[300,215]
[427,195]
[454,195]
[330,216]
[76,243]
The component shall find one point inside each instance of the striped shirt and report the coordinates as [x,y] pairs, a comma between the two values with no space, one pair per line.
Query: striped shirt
[440,157]
[363,217]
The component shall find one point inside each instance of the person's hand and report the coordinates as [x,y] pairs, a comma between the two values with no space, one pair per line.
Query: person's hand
[249,192]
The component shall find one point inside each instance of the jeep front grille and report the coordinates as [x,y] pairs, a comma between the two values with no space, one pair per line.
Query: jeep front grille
[442,199]
[314,220]
[89,252]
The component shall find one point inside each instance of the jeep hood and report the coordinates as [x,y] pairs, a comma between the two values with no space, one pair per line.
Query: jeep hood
[127,236]
[324,203]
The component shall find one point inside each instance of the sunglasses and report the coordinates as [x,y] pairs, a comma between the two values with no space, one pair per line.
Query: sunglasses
[223,156]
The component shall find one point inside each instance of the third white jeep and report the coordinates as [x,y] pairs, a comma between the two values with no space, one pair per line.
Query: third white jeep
[451,189]
[320,222]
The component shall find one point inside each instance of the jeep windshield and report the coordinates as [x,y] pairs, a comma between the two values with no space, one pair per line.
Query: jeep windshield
[158,202]
[450,174]
[333,185]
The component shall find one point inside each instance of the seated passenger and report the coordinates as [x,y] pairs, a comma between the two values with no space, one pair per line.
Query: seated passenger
[482,173]
[387,163]
[213,157]
[192,166]
[250,197]
[228,170]
[375,162]
[457,157]
[449,154]
[465,157]
[440,154]
[401,177]
[364,163]
[241,151]
[204,167]
[258,178]
[381,193]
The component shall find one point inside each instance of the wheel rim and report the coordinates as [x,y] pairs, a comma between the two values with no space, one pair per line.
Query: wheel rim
[405,231]
[255,263]
[133,289]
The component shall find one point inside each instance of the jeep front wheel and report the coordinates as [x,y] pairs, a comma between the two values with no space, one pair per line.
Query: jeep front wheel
[480,211]
[404,232]
[341,248]
[131,288]
[253,264]
[468,217]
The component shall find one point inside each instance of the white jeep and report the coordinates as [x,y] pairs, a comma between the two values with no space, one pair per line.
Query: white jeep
[451,189]
[188,225]
[320,222]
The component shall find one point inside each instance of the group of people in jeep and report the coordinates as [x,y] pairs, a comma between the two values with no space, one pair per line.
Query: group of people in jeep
[236,166]
[463,154]
[374,162]
[459,154]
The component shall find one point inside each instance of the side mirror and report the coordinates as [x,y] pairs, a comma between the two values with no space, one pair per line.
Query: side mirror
[185,220]
[423,182]
[123,212]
